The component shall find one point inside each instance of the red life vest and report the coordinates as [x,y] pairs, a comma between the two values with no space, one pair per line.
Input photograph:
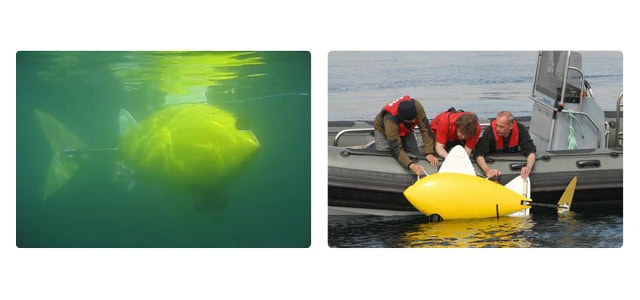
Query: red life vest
[449,116]
[513,141]
[392,108]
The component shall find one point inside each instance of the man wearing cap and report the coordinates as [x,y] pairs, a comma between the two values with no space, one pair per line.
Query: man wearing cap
[394,132]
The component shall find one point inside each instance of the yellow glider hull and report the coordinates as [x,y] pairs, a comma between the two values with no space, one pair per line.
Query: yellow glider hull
[462,196]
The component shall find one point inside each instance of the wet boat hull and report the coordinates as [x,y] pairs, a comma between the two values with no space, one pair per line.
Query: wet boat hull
[373,180]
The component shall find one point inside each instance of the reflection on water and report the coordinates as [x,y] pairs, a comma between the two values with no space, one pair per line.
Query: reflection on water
[172,72]
[576,229]
[175,72]
[493,232]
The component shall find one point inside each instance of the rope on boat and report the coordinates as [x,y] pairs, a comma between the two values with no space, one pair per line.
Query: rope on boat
[572,143]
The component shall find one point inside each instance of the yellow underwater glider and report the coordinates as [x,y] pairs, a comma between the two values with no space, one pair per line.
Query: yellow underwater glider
[187,142]
[191,145]
[456,192]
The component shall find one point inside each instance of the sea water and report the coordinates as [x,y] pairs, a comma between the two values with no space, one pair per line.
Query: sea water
[484,82]
[269,204]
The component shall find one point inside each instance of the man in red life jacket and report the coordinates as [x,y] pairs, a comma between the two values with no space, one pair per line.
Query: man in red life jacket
[453,128]
[394,132]
[505,135]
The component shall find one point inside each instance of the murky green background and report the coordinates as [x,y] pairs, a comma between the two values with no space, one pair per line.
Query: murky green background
[269,204]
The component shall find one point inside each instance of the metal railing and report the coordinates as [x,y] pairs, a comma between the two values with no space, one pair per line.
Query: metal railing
[342,132]
[618,132]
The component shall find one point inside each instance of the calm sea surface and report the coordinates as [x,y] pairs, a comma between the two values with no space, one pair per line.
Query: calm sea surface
[85,92]
[360,83]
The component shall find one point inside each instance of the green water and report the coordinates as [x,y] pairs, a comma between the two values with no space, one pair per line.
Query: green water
[268,204]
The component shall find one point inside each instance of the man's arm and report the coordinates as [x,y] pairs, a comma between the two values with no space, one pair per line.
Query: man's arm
[392,132]
[526,170]
[482,164]
[482,149]
[440,150]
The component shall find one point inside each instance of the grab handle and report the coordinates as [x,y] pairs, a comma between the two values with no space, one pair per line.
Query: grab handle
[517,166]
[593,163]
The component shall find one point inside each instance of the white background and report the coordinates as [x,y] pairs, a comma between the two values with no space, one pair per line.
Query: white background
[319,271]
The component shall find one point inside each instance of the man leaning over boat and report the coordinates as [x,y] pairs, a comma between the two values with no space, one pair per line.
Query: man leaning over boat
[505,135]
[455,127]
[394,132]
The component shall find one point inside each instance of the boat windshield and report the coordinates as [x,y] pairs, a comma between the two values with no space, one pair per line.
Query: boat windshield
[554,69]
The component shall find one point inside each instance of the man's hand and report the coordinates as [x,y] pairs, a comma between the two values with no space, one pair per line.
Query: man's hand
[491,173]
[432,159]
[416,168]
[524,172]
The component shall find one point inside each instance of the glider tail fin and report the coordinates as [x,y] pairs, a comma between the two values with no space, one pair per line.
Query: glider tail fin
[521,186]
[62,141]
[564,204]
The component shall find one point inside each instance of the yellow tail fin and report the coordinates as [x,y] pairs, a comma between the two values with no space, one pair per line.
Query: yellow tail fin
[564,204]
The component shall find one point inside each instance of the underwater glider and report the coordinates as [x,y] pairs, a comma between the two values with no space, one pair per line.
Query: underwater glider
[190,145]
[186,142]
[456,192]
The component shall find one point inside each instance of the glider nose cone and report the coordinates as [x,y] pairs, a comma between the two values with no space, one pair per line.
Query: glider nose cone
[418,190]
[412,191]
